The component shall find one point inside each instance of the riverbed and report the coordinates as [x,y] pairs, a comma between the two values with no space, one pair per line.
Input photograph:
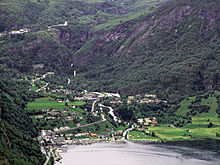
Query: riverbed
[138,154]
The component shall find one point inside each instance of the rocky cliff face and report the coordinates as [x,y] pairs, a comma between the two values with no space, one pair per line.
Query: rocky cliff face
[73,39]
[166,20]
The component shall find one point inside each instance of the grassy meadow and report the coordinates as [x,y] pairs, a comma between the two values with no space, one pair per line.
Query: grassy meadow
[49,102]
[138,135]
[198,129]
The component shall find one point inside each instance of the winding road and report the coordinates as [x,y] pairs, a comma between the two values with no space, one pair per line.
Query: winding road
[86,125]
[93,107]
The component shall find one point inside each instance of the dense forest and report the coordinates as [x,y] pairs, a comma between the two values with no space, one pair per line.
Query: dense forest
[172,50]
[18,144]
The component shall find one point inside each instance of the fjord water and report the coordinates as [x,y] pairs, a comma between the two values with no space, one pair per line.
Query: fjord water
[138,154]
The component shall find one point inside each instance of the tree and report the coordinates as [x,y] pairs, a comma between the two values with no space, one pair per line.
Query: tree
[153,134]
[210,125]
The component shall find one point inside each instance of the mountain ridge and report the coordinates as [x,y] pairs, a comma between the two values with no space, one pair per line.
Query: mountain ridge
[174,33]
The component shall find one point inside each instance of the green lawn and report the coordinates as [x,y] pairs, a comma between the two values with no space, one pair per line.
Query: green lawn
[49,102]
[168,133]
[184,106]
[197,130]
[138,135]
[45,103]
[77,103]
[199,127]
[212,102]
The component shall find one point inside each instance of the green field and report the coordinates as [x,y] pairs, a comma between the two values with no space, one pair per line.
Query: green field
[184,106]
[117,21]
[49,102]
[45,103]
[199,127]
[77,103]
[212,102]
[168,133]
[138,135]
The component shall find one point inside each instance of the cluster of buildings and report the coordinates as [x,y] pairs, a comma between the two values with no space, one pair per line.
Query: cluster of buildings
[59,25]
[55,114]
[88,96]
[14,32]
[148,121]
[20,31]
[147,98]
[96,95]
[54,143]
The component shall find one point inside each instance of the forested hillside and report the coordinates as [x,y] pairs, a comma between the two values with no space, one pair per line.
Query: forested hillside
[48,41]
[173,50]
[18,144]
[167,47]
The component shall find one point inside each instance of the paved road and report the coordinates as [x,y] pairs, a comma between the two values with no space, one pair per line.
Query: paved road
[126,131]
[93,106]
[48,158]
[86,125]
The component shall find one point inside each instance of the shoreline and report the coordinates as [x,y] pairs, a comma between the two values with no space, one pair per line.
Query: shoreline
[147,144]
[92,141]
[143,142]
[170,141]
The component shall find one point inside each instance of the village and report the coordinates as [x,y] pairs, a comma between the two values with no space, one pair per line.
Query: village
[69,117]
[54,142]
[74,117]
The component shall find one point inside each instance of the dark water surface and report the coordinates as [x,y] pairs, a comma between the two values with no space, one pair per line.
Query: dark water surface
[187,153]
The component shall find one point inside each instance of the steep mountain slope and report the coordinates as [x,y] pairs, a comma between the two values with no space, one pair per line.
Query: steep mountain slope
[35,37]
[175,49]
[17,132]
[57,29]
[36,14]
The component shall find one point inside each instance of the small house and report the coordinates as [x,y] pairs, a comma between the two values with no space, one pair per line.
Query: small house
[93,135]
[154,123]
[119,132]
[59,100]
[147,121]
[140,121]
[15,32]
